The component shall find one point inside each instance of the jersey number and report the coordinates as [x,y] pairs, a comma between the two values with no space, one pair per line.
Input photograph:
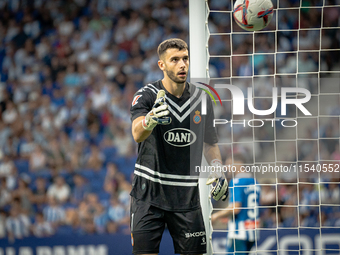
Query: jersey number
[251,203]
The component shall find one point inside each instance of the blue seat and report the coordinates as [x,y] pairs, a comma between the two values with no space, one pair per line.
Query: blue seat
[87,173]
[22,165]
[120,162]
[97,185]
[110,154]
[46,174]
[104,198]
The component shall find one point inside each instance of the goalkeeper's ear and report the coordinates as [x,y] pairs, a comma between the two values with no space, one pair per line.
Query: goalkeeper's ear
[161,64]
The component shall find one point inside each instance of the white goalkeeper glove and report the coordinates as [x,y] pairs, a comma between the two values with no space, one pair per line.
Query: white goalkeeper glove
[220,190]
[158,114]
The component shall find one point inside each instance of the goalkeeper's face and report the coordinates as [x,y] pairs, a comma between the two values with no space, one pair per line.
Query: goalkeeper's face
[175,64]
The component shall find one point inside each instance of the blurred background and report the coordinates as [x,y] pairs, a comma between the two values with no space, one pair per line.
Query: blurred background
[68,72]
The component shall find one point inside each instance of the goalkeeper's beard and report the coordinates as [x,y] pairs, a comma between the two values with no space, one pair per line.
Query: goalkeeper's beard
[174,78]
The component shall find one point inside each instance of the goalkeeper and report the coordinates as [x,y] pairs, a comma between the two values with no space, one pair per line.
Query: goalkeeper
[165,184]
[242,210]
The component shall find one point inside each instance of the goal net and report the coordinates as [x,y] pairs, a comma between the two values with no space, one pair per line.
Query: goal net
[293,156]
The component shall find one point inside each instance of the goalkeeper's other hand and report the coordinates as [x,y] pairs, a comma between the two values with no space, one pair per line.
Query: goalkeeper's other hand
[158,114]
[220,189]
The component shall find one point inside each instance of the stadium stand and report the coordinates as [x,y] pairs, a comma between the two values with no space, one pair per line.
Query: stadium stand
[68,72]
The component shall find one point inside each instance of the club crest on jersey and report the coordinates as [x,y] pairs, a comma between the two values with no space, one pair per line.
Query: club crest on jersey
[197,117]
[135,100]
[179,137]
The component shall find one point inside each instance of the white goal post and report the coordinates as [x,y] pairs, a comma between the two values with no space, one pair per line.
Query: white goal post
[198,45]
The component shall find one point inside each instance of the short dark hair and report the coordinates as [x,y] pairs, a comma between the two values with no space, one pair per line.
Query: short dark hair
[173,43]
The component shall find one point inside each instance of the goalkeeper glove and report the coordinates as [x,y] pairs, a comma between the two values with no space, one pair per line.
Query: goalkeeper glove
[220,190]
[158,114]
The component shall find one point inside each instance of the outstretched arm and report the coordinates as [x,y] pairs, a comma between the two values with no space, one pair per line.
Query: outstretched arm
[139,133]
[142,126]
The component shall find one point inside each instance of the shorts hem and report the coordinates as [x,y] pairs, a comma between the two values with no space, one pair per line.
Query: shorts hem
[145,252]
[191,252]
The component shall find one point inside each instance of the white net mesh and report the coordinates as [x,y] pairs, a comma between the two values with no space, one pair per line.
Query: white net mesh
[299,211]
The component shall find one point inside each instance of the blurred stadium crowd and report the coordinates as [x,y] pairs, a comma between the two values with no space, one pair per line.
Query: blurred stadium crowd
[69,69]
[312,201]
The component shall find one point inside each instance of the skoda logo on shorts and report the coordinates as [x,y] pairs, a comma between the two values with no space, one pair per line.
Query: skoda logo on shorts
[180,137]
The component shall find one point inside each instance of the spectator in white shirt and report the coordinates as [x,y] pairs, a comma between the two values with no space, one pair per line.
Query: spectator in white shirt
[10,115]
[8,171]
[54,213]
[116,211]
[28,146]
[59,190]
[99,98]
[37,159]
[6,167]
[42,228]
[17,224]
[334,193]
